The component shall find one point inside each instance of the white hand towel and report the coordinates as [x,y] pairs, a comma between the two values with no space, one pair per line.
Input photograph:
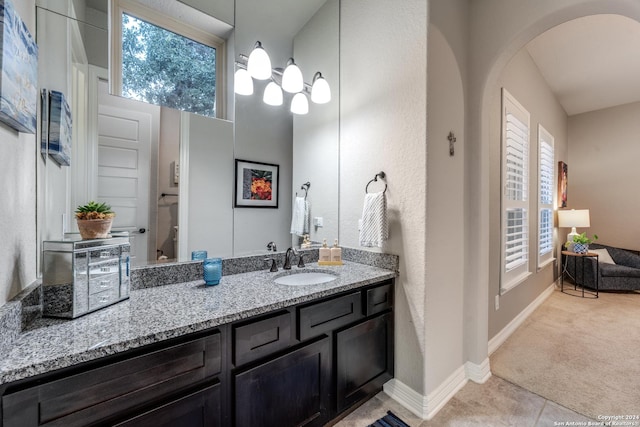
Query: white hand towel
[300,217]
[375,229]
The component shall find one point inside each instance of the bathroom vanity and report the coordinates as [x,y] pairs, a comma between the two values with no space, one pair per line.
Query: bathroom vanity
[248,352]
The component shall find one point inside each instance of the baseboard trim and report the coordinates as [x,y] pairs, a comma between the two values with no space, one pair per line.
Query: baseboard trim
[506,332]
[426,407]
[478,373]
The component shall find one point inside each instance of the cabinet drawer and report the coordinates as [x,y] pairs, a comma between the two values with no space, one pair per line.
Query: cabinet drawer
[103,282]
[378,299]
[99,256]
[260,338]
[318,318]
[103,298]
[93,395]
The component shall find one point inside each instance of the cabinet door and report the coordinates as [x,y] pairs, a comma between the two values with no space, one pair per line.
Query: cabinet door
[364,359]
[292,390]
[198,409]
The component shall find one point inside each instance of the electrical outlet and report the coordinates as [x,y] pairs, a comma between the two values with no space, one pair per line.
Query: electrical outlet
[497,304]
[318,221]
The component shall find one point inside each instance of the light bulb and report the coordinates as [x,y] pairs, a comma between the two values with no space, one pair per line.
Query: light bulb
[320,91]
[259,64]
[272,94]
[299,104]
[292,80]
[243,84]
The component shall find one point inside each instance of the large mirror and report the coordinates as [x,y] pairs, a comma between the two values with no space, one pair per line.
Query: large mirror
[174,193]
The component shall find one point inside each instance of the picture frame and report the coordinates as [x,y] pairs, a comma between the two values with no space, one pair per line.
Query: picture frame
[18,72]
[563,180]
[59,141]
[256,184]
[44,124]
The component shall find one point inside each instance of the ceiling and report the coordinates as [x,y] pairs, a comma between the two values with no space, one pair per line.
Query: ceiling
[591,63]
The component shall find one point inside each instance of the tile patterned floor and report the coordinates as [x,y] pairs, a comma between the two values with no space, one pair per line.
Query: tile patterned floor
[494,403]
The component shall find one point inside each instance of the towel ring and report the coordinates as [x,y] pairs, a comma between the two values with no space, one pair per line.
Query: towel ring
[382,175]
[305,187]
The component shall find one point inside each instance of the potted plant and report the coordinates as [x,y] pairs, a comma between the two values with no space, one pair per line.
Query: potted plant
[581,243]
[94,220]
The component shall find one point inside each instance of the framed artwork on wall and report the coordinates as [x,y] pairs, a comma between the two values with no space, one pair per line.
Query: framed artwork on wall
[256,184]
[563,176]
[18,71]
[59,143]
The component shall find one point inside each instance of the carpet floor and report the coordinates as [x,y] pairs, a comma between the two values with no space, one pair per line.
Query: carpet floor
[583,354]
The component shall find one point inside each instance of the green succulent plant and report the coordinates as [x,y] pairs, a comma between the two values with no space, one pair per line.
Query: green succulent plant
[94,210]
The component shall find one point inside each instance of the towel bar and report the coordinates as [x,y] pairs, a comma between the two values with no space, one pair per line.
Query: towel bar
[382,175]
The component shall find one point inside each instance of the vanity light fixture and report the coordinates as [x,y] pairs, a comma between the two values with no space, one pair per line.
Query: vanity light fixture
[320,90]
[299,104]
[243,83]
[259,64]
[273,94]
[292,80]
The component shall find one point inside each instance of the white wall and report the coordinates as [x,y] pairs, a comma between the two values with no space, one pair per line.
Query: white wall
[523,80]
[604,149]
[168,157]
[316,135]
[18,207]
[383,58]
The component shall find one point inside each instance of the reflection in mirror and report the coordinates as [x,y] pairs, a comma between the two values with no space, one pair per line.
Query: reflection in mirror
[73,60]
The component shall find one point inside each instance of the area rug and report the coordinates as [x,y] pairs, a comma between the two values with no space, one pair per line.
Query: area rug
[583,354]
[389,420]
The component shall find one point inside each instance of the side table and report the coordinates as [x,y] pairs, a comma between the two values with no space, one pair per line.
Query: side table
[569,254]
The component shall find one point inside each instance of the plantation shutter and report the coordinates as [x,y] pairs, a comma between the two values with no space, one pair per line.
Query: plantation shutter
[515,177]
[545,189]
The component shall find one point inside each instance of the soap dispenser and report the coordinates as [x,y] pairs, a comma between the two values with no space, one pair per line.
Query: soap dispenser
[336,253]
[325,252]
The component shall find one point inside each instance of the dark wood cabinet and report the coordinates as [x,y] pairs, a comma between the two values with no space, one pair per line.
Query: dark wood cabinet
[291,390]
[364,359]
[298,366]
[198,409]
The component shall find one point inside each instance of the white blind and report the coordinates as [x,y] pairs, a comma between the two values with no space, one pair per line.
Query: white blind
[546,191]
[515,182]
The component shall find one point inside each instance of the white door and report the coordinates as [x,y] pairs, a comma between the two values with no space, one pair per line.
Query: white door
[124,143]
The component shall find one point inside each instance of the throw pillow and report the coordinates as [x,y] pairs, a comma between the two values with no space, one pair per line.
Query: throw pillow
[603,255]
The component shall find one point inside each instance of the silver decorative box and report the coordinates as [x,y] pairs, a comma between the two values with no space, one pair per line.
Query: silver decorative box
[81,276]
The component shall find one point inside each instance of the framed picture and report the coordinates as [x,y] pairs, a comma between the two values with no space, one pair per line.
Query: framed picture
[19,71]
[44,123]
[563,176]
[59,129]
[256,184]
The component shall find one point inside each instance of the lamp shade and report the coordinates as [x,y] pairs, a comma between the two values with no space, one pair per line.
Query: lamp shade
[320,91]
[272,94]
[242,82]
[292,80]
[573,218]
[299,104]
[259,64]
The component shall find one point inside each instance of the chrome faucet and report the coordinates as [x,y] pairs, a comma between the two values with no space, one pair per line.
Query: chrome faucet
[291,252]
[271,246]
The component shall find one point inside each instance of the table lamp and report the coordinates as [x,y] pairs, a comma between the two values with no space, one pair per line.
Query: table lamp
[573,218]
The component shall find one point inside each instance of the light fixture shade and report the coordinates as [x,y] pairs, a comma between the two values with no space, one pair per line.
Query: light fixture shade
[272,94]
[573,218]
[320,91]
[242,82]
[292,80]
[259,64]
[299,104]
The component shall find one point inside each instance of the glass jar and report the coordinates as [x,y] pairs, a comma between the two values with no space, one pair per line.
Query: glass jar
[198,255]
[212,271]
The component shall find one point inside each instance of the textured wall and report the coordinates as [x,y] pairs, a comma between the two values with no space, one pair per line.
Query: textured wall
[18,207]
[603,172]
[383,57]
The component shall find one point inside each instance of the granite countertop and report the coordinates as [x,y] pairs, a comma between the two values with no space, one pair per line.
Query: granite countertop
[159,313]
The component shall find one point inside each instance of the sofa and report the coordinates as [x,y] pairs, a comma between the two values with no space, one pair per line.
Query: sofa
[619,271]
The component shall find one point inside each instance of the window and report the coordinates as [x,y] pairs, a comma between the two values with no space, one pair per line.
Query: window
[546,161]
[515,182]
[159,60]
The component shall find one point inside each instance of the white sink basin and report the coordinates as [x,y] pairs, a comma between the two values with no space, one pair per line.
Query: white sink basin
[305,278]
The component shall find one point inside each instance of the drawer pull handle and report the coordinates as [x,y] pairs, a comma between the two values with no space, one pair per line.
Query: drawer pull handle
[105,254]
[104,299]
[104,284]
[105,269]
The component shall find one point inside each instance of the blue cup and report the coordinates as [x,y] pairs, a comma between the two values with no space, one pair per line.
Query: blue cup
[212,271]
[198,255]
